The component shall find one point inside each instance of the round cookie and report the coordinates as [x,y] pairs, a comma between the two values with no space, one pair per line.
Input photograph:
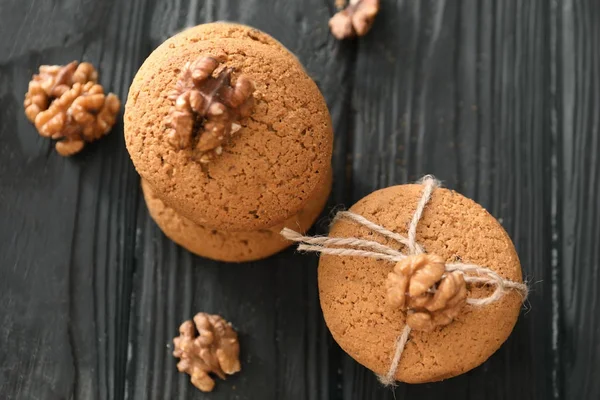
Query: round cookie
[273,166]
[231,246]
[353,292]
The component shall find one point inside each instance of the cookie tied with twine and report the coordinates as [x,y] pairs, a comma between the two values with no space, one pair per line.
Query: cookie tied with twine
[417,282]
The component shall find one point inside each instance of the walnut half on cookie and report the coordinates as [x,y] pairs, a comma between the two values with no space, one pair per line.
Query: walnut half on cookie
[208,345]
[67,104]
[207,108]
[419,285]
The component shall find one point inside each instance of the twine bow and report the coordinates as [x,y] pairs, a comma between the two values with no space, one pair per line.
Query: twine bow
[357,247]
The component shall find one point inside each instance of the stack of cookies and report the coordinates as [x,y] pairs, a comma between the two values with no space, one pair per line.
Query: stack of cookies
[232,139]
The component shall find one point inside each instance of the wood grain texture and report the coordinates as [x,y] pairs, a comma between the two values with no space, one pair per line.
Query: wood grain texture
[499,99]
[576,94]
[466,101]
[67,224]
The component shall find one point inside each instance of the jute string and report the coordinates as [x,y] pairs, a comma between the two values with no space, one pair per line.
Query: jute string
[358,247]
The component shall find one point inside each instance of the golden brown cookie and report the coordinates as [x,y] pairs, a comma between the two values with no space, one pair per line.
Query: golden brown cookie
[274,165]
[353,290]
[231,246]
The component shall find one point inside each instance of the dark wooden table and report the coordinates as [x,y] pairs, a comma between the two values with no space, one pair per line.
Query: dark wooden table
[498,98]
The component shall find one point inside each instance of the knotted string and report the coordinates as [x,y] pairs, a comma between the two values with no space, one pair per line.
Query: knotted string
[367,248]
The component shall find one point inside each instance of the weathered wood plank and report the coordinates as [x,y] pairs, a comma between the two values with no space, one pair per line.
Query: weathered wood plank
[459,89]
[273,303]
[576,90]
[497,98]
[68,225]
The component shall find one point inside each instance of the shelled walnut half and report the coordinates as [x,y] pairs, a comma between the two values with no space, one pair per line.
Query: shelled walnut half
[67,104]
[354,20]
[431,297]
[207,108]
[208,345]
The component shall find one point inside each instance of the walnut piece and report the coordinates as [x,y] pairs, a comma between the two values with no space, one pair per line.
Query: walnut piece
[340,4]
[214,350]
[66,103]
[418,285]
[206,108]
[354,20]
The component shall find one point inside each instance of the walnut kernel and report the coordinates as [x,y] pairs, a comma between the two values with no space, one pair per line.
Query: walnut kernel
[66,103]
[206,108]
[354,20]
[207,345]
[418,285]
